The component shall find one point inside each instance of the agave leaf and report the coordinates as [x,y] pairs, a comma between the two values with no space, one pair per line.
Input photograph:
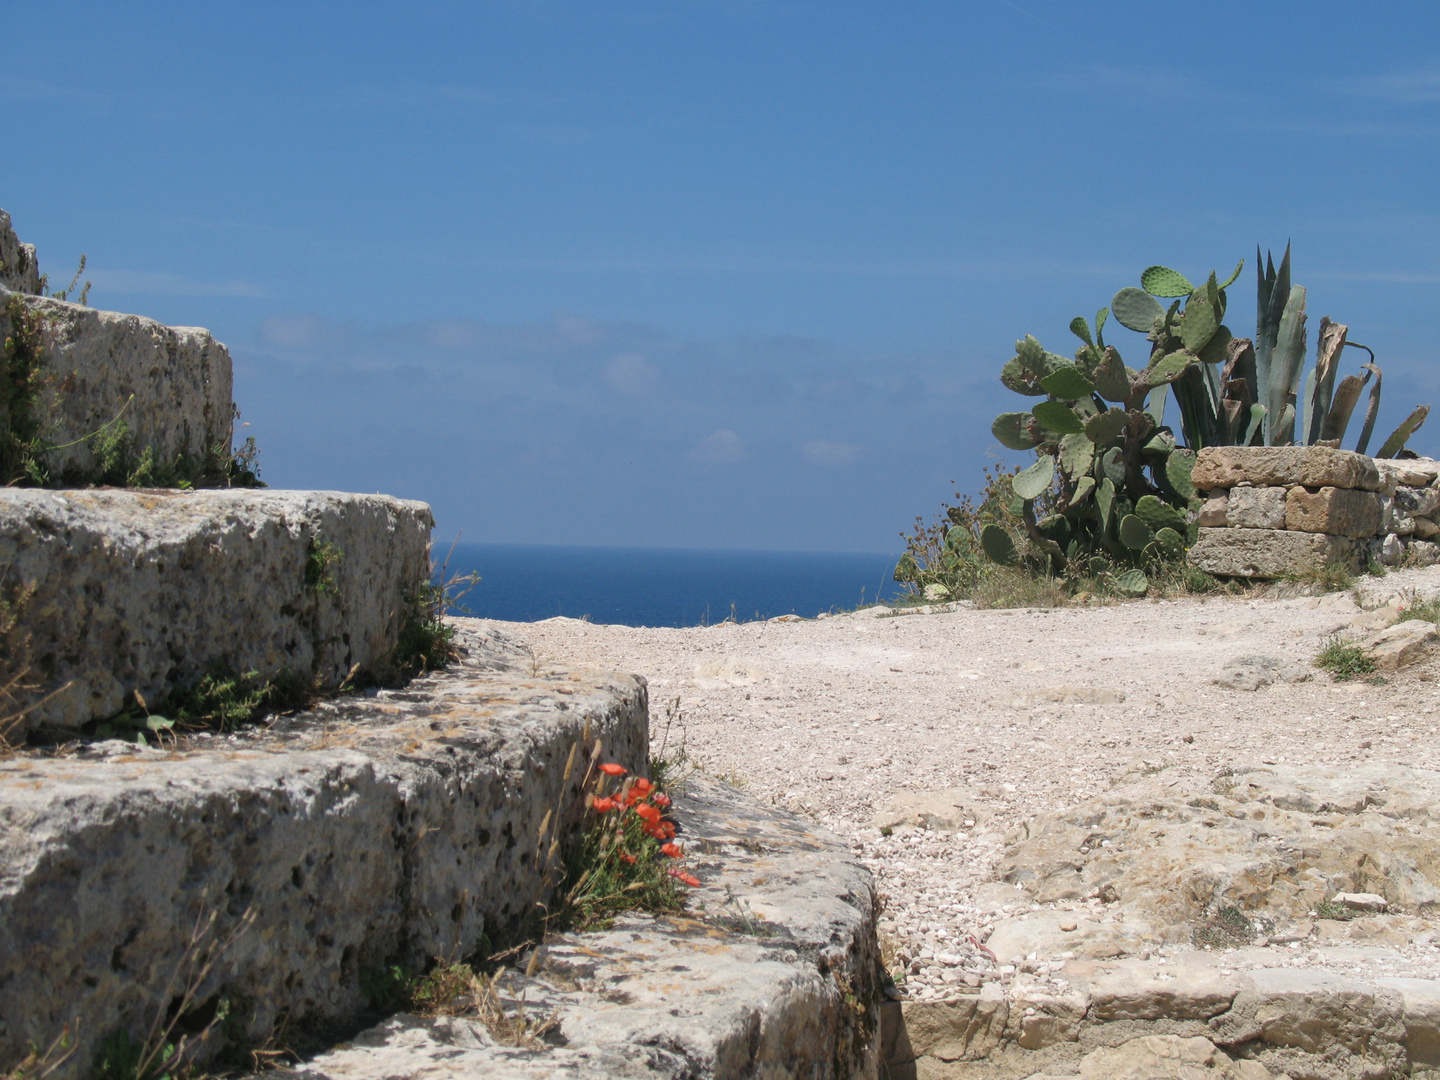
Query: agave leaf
[1347,395]
[1030,483]
[1155,403]
[1197,410]
[1068,383]
[1081,329]
[1233,277]
[1370,410]
[1401,435]
[1136,309]
[1328,346]
[1162,281]
[1307,407]
[1283,430]
[1285,366]
[1012,430]
[1058,417]
[1257,422]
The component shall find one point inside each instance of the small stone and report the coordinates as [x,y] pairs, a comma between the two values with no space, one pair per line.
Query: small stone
[1361,901]
[1068,925]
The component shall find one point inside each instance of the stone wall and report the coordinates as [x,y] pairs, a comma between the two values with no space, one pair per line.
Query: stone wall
[170,385]
[1271,511]
[146,590]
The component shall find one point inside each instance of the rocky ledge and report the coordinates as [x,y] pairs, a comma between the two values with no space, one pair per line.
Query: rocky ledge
[772,971]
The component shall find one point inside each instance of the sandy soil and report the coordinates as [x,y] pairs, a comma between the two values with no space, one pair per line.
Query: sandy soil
[831,717]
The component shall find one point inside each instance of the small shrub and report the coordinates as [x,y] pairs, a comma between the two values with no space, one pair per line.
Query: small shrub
[320,561]
[1226,928]
[1334,576]
[1429,610]
[1010,587]
[1343,658]
[426,641]
[1328,909]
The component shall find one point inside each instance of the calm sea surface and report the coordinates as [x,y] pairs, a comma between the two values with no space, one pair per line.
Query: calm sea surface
[663,586]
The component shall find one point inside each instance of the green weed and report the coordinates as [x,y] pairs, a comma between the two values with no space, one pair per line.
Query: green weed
[1226,928]
[426,641]
[1343,658]
[1328,909]
[321,558]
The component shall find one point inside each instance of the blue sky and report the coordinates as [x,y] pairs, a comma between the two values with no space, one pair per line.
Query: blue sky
[705,274]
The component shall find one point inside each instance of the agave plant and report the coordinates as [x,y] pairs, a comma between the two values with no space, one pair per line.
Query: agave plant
[1235,391]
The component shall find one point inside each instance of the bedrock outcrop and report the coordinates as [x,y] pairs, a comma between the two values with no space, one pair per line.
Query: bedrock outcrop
[148,590]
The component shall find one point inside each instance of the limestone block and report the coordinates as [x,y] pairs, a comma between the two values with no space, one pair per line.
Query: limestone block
[1418,501]
[1041,1017]
[1336,511]
[1277,841]
[1213,512]
[378,830]
[1268,553]
[966,1028]
[1316,1012]
[1420,999]
[1143,990]
[1400,645]
[1423,552]
[1168,1057]
[1256,508]
[170,385]
[1425,529]
[1411,472]
[19,269]
[1268,466]
[948,809]
[143,590]
[1402,524]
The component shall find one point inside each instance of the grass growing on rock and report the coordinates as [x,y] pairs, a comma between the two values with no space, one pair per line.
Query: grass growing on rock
[1343,658]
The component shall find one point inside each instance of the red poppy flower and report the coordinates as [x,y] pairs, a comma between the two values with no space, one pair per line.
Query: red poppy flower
[688,879]
[611,769]
[648,812]
[628,857]
[661,799]
[642,785]
[672,849]
[603,806]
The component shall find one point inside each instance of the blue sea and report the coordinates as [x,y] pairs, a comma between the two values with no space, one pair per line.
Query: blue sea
[663,586]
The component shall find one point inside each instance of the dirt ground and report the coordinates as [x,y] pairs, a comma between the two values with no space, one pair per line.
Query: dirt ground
[1034,710]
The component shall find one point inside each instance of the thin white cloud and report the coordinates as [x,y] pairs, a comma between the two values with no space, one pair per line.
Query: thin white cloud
[629,373]
[1418,86]
[720,448]
[145,283]
[825,452]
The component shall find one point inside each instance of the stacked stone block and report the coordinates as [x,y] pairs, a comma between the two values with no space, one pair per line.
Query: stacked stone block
[1274,511]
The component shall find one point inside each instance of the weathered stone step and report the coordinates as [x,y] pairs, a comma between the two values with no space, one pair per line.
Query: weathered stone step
[171,386]
[380,830]
[145,590]
[772,972]
[1117,1014]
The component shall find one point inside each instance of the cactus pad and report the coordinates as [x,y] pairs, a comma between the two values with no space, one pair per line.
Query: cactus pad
[1133,582]
[1178,467]
[1083,487]
[1232,278]
[1077,455]
[1112,464]
[1112,381]
[1167,369]
[1014,376]
[997,545]
[1081,329]
[1135,309]
[1103,427]
[1200,322]
[1162,281]
[1059,417]
[1134,533]
[1067,383]
[1012,429]
[1030,483]
[1158,514]
[1170,542]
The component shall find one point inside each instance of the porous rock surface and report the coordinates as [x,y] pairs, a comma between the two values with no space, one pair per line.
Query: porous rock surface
[1272,841]
[375,830]
[145,590]
[1269,553]
[19,269]
[171,387]
[770,972]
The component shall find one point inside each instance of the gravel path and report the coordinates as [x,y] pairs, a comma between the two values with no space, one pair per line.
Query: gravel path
[1033,710]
